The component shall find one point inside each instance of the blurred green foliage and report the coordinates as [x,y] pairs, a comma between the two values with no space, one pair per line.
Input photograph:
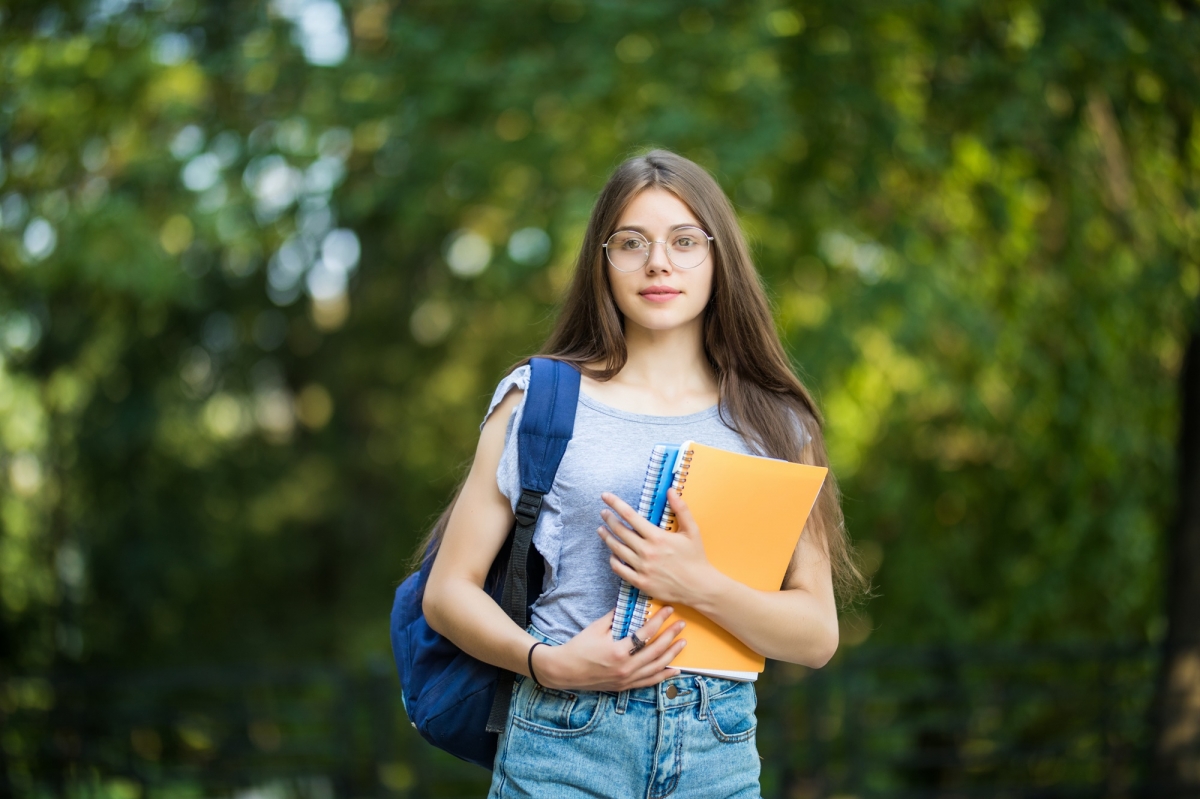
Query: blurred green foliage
[261,265]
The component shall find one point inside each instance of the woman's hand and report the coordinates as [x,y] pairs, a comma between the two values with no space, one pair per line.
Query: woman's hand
[593,661]
[669,566]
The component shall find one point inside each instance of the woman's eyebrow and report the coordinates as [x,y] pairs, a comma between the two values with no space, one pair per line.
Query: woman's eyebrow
[642,230]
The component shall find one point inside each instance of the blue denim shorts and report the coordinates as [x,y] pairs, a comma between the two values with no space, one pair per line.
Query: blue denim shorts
[696,740]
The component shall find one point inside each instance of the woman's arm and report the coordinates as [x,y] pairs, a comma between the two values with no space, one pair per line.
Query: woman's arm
[797,624]
[456,605]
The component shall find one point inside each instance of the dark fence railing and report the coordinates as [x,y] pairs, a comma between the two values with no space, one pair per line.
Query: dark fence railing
[933,722]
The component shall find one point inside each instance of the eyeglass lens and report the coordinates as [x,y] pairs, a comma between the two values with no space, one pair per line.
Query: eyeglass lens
[687,247]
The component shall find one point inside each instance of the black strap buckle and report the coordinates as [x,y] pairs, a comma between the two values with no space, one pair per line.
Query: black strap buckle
[528,507]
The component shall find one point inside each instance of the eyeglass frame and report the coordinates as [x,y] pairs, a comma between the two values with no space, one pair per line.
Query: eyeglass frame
[650,246]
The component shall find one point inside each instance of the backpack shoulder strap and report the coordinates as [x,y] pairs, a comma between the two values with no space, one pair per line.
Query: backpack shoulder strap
[546,428]
[547,423]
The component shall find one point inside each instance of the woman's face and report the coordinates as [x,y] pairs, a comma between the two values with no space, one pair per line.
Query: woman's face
[660,296]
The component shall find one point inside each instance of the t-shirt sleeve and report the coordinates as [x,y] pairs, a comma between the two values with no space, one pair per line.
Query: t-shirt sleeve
[508,473]
[803,434]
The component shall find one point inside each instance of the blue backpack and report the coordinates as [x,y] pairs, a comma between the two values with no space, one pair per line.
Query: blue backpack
[456,702]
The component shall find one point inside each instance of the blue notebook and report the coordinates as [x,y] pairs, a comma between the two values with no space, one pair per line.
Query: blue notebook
[632,604]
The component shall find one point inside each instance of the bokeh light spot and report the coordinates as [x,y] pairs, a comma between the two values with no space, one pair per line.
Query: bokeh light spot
[314,406]
[431,321]
[40,239]
[187,142]
[176,234]
[513,124]
[468,253]
[634,49]
[529,246]
[785,22]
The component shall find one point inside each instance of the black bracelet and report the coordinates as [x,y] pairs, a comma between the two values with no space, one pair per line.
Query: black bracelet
[530,659]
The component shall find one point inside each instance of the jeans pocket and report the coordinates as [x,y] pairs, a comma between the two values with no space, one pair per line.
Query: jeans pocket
[558,714]
[731,714]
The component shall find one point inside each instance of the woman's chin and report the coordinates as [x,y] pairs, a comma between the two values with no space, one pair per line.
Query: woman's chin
[658,323]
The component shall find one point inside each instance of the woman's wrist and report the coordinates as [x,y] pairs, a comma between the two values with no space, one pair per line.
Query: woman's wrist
[546,662]
[709,592]
[529,662]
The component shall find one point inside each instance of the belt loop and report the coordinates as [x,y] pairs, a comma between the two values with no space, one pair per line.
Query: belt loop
[703,688]
[622,702]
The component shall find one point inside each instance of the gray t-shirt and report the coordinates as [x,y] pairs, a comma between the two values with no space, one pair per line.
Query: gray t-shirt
[609,451]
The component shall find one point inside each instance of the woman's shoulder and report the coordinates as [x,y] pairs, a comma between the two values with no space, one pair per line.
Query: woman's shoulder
[794,426]
[804,425]
[516,380]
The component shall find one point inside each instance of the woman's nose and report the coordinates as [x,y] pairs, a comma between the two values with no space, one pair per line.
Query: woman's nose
[657,261]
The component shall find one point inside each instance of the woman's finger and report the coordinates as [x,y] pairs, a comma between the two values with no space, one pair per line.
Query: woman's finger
[631,517]
[663,642]
[663,662]
[623,571]
[654,679]
[655,649]
[666,648]
[655,623]
[618,547]
[672,652]
[683,513]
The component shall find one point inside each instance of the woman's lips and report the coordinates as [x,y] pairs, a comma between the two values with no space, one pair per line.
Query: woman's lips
[660,293]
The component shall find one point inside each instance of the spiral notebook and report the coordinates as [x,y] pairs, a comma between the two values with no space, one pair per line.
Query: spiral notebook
[660,474]
[751,512]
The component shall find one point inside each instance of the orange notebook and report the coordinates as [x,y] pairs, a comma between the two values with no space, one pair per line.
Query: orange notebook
[751,512]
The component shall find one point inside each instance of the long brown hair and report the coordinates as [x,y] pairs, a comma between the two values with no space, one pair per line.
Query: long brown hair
[760,397]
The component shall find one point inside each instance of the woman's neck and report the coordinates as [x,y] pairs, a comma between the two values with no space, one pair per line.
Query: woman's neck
[666,373]
[667,357]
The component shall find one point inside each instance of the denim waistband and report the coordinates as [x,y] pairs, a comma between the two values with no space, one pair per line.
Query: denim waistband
[690,689]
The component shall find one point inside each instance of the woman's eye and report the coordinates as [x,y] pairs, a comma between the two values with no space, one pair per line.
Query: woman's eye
[684,241]
[632,244]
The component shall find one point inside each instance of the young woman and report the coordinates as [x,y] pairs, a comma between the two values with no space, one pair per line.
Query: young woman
[670,328]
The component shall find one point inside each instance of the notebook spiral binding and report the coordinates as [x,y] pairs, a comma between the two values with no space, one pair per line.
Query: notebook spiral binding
[632,605]
[685,462]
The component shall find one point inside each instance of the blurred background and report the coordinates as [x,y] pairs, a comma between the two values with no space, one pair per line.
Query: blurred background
[262,264]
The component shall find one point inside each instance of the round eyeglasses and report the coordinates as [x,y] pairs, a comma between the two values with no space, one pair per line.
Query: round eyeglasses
[628,250]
